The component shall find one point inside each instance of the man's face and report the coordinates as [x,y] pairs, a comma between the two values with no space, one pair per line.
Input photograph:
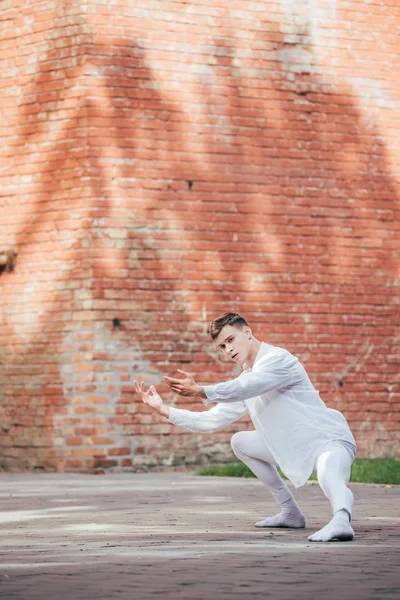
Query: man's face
[235,342]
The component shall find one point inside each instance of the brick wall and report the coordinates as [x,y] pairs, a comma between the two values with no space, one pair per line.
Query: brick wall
[164,161]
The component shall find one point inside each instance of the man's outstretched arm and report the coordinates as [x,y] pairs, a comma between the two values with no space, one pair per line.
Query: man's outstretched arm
[208,421]
[273,372]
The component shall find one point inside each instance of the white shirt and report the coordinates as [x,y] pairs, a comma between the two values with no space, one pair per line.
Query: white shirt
[284,407]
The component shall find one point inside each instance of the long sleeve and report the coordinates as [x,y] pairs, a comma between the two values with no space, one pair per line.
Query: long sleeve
[208,421]
[273,371]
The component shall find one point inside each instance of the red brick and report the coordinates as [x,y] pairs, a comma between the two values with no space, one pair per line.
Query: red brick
[119,451]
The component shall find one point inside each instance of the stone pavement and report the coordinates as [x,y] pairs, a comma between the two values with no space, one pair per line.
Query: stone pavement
[175,535]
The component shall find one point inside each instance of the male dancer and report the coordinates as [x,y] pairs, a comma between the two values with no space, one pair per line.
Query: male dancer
[293,427]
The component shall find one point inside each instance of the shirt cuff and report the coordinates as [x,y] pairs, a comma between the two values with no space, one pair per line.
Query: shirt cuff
[211,394]
[171,418]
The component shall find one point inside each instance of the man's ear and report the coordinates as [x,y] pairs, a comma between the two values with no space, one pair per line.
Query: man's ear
[248,331]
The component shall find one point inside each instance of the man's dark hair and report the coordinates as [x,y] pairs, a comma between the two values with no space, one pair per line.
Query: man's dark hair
[217,325]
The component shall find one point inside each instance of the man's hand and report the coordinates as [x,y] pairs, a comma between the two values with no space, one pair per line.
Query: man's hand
[152,398]
[185,386]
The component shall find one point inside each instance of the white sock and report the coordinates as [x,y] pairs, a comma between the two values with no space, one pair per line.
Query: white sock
[290,516]
[338,528]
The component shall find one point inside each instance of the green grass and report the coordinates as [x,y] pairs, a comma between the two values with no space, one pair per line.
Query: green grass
[363,470]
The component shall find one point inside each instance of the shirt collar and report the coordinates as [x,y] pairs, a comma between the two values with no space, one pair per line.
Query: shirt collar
[261,351]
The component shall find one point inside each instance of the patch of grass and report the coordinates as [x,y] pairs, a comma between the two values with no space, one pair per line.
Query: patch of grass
[376,470]
[363,470]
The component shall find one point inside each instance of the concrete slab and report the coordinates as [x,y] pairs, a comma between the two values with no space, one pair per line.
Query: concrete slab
[142,536]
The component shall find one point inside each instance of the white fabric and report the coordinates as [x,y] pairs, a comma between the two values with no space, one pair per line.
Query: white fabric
[332,466]
[251,449]
[209,421]
[285,409]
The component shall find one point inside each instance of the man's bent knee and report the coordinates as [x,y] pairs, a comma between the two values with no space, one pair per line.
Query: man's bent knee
[237,442]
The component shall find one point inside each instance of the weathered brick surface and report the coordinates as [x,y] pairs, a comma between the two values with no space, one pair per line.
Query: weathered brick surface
[161,162]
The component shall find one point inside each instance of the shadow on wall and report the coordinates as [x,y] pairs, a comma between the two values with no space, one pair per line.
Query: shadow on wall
[245,189]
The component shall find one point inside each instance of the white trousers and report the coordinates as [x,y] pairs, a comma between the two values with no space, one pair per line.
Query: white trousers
[332,466]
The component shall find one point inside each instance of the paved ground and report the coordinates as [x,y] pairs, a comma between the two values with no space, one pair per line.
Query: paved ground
[174,535]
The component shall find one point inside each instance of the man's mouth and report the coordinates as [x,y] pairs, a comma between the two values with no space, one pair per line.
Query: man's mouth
[235,355]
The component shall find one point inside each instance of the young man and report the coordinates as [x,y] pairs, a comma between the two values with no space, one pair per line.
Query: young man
[293,427]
